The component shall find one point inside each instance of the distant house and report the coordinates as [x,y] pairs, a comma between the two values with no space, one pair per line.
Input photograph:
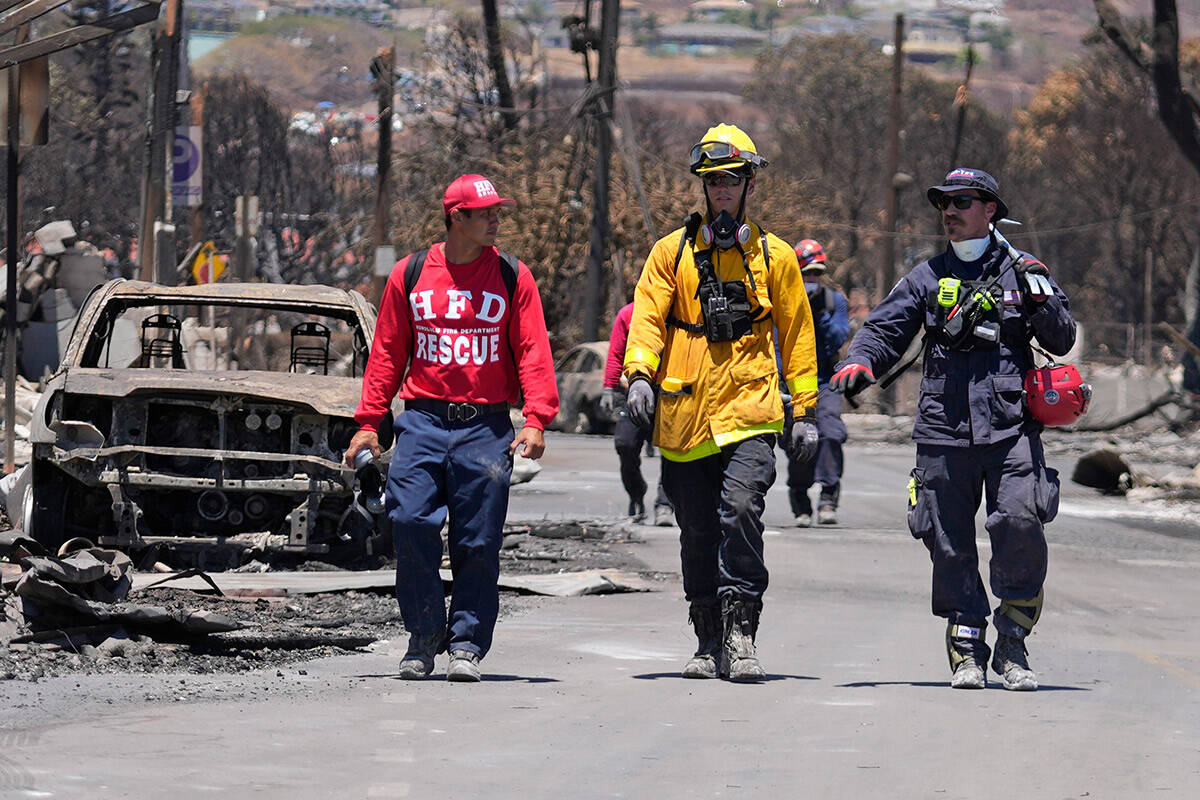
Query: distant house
[819,26]
[930,42]
[711,10]
[702,37]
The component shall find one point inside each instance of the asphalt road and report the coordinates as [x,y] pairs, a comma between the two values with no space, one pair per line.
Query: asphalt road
[582,698]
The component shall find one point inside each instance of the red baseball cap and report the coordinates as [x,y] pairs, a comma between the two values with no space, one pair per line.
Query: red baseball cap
[472,191]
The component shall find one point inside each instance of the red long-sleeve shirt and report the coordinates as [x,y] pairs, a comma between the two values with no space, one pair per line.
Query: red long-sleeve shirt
[616,348]
[455,338]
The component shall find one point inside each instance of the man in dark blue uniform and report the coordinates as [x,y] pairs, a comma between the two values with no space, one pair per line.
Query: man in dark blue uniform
[979,308]
[831,322]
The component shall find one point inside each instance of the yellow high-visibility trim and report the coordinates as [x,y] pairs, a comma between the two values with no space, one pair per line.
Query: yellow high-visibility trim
[803,384]
[714,445]
[702,450]
[640,355]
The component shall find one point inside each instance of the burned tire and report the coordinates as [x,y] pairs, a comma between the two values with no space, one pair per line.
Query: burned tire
[48,513]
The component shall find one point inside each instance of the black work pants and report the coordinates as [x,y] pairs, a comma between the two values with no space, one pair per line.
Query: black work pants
[629,439]
[1021,495]
[719,503]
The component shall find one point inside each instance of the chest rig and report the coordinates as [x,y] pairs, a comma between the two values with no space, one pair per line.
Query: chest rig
[727,311]
[966,315]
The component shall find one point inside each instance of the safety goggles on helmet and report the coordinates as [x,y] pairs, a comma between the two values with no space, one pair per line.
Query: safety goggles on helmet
[717,152]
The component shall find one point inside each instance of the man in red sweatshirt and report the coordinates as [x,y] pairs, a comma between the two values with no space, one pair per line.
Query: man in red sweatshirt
[628,436]
[460,340]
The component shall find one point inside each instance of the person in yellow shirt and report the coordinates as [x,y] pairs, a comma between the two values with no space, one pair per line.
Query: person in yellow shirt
[702,349]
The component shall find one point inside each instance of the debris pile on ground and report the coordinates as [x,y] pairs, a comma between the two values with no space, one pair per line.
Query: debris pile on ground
[102,625]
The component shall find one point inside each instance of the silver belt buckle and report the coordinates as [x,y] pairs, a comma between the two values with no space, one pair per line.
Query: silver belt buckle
[461,412]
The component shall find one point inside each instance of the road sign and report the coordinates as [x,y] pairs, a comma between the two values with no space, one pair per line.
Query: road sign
[208,265]
[188,159]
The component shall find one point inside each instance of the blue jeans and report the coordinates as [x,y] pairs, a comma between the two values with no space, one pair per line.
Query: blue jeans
[719,502]
[460,469]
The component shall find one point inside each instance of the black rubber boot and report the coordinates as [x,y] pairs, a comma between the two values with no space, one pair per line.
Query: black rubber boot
[705,616]
[739,659]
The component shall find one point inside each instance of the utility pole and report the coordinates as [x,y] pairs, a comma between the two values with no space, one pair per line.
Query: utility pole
[609,17]
[885,275]
[885,278]
[960,100]
[1148,309]
[383,68]
[197,103]
[160,135]
[12,259]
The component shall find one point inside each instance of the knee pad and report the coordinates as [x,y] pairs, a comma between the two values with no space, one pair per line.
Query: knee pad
[965,640]
[1023,612]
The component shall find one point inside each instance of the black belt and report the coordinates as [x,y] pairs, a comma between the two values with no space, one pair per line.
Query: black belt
[456,412]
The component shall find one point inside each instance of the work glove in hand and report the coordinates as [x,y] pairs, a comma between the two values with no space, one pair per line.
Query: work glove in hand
[851,379]
[640,402]
[608,400]
[1036,278]
[804,440]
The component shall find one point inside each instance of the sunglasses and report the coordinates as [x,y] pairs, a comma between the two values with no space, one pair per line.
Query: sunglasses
[722,179]
[960,201]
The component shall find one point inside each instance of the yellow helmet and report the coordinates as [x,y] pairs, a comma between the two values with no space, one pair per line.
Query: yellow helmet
[725,147]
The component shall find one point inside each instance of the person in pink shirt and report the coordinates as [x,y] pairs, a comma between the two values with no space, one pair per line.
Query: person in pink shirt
[628,437]
[461,340]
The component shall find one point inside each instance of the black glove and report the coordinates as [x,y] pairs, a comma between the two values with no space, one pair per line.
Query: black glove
[1035,277]
[640,401]
[804,440]
[851,379]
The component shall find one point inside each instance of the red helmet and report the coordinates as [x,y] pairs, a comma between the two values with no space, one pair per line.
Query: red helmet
[1056,394]
[811,256]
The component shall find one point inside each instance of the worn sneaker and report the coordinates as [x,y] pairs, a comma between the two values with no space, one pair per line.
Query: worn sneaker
[827,515]
[664,517]
[1009,661]
[417,663]
[804,520]
[637,510]
[464,667]
[968,675]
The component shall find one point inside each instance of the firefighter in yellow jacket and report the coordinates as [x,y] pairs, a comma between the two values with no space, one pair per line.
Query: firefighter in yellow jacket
[701,367]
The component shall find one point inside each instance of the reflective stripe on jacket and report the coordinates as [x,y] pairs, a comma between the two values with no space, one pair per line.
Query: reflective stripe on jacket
[712,394]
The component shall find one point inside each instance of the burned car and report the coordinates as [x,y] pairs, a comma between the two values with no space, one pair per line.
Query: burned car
[198,414]
[580,378]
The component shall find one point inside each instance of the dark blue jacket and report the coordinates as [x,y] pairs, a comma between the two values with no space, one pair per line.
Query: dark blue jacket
[971,397]
[831,320]
[831,323]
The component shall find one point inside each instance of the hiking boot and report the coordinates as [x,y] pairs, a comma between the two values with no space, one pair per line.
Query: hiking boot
[417,663]
[968,675]
[1010,663]
[705,617]
[739,659]
[464,667]
[967,650]
[804,520]
[637,510]
[664,517]
[827,515]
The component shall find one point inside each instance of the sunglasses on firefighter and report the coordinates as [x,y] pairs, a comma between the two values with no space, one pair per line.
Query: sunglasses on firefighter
[722,179]
[715,152]
[960,201]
